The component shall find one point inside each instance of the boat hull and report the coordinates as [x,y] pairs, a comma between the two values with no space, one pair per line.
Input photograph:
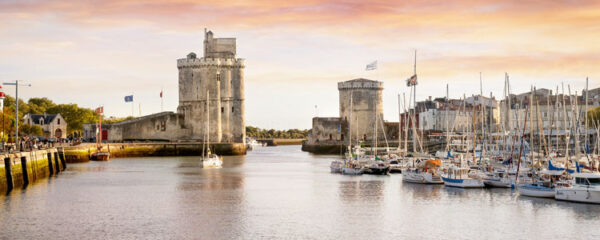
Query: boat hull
[495,183]
[352,171]
[463,183]
[426,178]
[100,156]
[377,170]
[536,192]
[582,195]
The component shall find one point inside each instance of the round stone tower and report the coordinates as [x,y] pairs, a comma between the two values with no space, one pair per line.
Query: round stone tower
[366,107]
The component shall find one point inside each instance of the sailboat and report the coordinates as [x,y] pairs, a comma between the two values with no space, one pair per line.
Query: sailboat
[99,155]
[209,159]
[351,165]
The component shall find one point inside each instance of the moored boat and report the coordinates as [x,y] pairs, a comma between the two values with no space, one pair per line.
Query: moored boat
[425,173]
[459,177]
[537,189]
[584,188]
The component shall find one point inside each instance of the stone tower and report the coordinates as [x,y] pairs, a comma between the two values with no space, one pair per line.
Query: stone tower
[219,77]
[366,104]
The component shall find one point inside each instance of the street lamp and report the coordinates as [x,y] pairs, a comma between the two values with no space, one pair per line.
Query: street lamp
[2,109]
[16,84]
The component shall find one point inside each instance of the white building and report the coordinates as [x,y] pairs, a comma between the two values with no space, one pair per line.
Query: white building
[53,125]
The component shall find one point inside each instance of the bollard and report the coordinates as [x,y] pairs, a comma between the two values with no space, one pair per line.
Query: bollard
[62,160]
[57,169]
[50,168]
[25,172]
[9,176]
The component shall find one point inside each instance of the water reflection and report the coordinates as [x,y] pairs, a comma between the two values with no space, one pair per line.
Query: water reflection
[422,191]
[361,190]
[273,193]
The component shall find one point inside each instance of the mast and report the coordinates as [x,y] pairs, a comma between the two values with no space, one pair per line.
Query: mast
[405,123]
[521,151]
[530,107]
[567,136]
[586,118]
[399,124]
[447,123]
[482,118]
[350,124]
[375,133]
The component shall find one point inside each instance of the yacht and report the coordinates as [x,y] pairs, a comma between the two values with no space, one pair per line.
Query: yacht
[426,172]
[584,187]
[498,178]
[459,177]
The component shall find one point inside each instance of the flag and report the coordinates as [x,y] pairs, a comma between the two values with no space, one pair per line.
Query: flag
[129,98]
[372,66]
[160,93]
[100,110]
[411,81]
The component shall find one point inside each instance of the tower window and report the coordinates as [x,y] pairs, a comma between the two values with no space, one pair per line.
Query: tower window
[222,109]
[232,109]
[218,77]
[58,121]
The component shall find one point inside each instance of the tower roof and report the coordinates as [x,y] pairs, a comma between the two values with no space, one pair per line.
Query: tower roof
[360,83]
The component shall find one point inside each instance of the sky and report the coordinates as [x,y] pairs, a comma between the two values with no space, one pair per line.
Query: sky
[96,52]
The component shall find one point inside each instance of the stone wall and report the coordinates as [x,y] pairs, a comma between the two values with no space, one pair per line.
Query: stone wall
[118,150]
[326,131]
[37,164]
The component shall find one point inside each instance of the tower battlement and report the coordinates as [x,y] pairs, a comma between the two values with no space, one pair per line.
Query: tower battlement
[206,62]
[360,83]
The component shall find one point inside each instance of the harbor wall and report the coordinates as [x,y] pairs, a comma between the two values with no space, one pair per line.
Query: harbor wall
[119,150]
[281,141]
[23,168]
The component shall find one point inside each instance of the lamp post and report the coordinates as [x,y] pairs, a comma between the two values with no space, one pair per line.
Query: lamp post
[16,84]
[2,109]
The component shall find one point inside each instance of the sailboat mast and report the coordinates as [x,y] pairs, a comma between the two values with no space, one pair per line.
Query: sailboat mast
[447,123]
[399,124]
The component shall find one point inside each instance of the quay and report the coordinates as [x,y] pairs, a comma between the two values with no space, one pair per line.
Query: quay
[82,152]
[281,141]
[22,168]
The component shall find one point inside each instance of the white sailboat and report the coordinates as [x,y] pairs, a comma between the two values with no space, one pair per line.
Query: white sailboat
[209,159]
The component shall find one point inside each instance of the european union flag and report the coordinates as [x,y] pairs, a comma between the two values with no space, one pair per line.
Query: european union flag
[129,98]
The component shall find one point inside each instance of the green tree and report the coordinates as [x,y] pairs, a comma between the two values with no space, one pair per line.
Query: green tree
[25,129]
[40,105]
[74,115]
[36,130]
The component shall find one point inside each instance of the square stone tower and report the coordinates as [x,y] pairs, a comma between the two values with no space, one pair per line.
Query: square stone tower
[211,92]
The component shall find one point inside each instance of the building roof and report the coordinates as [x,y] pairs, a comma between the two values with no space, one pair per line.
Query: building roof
[35,118]
[361,80]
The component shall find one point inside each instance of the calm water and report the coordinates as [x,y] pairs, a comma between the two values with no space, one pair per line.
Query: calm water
[271,193]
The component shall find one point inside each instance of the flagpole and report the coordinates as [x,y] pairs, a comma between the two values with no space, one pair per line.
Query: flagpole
[161,99]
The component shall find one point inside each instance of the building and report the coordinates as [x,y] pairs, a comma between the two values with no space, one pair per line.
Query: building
[361,109]
[456,114]
[211,97]
[53,125]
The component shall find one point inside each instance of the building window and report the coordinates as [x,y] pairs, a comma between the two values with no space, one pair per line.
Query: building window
[163,126]
[222,109]
[330,137]
[342,137]
[58,121]
[218,77]
[232,109]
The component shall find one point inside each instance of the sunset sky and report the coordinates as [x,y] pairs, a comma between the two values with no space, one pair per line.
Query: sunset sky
[95,52]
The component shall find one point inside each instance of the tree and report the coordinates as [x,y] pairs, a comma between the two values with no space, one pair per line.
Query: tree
[74,115]
[36,130]
[39,105]
[593,117]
